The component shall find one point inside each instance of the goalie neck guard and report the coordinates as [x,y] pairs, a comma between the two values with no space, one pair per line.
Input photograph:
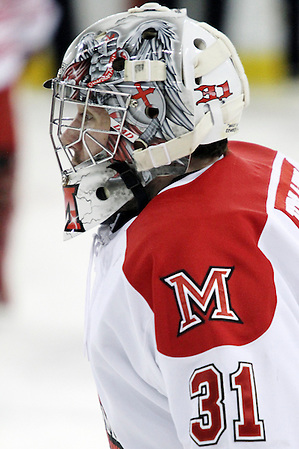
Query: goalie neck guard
[143,88]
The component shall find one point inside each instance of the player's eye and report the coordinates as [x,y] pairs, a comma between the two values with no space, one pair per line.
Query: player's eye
[86,117]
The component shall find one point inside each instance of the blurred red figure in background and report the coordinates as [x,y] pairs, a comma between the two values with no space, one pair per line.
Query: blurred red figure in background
[26,27]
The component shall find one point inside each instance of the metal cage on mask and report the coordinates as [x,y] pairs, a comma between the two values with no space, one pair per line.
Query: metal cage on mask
[66,98]
[106,180]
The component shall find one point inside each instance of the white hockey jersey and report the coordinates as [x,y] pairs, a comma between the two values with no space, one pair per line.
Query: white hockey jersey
[193,321]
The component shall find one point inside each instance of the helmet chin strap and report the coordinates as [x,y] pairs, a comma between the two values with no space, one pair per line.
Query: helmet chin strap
[132,182]
[142,194]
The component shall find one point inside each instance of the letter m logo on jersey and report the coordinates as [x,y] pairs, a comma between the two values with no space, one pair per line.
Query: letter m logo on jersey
[214,290]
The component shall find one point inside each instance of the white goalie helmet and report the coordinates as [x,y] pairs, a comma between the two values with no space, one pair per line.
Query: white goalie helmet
[136,94]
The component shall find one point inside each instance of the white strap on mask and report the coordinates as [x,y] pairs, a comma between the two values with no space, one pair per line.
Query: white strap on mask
[145,70]
[211,58]
[167,152]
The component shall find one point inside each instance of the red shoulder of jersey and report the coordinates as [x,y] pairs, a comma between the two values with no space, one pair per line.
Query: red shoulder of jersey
[193,256]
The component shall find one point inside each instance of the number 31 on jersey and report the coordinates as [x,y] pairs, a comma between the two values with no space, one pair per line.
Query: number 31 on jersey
[206,385]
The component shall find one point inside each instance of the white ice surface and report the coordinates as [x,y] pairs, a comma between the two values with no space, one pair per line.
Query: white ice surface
[47,395]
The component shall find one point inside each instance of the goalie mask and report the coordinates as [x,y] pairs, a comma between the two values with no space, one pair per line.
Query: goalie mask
[136,94]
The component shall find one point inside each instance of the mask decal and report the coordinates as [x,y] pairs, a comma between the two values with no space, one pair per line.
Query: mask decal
[156,109]
[73,223]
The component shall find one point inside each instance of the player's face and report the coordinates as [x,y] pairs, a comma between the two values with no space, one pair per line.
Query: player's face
[95,118]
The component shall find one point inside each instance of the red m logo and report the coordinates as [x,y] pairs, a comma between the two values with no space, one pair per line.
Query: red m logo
[73,223]
[214,288]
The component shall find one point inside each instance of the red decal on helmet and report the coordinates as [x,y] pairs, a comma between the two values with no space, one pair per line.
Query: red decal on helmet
[76,71]
[214,92]
[143,94]
[73,223]
[109,71]
[109,36]
[106,75]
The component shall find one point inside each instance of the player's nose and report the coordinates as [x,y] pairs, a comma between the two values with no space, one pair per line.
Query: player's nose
[72,134]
